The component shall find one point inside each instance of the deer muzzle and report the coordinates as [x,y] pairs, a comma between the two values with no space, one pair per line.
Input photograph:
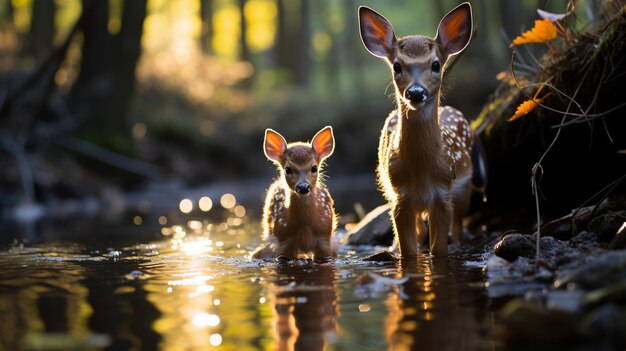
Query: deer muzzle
[303,188]
[416,93]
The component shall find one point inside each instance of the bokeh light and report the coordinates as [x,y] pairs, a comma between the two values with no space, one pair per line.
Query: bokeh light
[137,220]
[205,204]
[185,206]
[215,339]
[240,211]
[139,131]
[228,201]
[203,320]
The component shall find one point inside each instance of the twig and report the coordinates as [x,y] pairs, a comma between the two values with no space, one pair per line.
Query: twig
[538,167]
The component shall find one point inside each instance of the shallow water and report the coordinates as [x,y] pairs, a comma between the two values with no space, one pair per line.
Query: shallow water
[194,289]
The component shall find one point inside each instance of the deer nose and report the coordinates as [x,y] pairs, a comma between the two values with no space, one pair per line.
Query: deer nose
[303,188]
[416,93]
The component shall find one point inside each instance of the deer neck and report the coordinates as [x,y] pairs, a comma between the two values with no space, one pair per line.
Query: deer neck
[302,206]
[420,135]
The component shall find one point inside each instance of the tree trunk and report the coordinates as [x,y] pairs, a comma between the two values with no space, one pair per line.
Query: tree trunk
[103,90]
[127,50]
[8,16]
[353,50]
[206,17]
[302,46]
[244,51]
[91,95]
[42,28]
[281,36]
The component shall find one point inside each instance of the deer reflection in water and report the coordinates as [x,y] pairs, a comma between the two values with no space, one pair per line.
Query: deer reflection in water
[305,307]
[431,313]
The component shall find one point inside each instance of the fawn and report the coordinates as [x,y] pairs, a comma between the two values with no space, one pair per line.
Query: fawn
[298,215]
[424,155]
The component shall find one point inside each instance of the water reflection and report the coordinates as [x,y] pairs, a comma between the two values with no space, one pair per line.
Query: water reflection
[305,307]
[437,310]
[195,289]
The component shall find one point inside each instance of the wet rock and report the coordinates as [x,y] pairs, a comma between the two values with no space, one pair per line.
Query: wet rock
[615,294]
[528,326]
[608,326]
[598,271]
[372,284]
[381,256]
[619,241]
[374,229]
[607,225]
[549,246]
[515,245]
[583,238]
[564,227]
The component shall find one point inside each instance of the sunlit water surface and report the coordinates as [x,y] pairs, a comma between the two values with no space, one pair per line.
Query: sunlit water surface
[196,289]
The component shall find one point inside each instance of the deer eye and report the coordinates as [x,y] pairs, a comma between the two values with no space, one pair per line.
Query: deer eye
[288,171]
[397,69]
[314,169]
[436,66]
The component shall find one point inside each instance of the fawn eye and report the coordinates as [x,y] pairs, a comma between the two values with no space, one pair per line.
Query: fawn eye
[436,66]
[314,169]
[397,69]
[288,171]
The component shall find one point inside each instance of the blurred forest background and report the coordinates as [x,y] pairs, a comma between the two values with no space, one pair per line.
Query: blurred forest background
[100,97]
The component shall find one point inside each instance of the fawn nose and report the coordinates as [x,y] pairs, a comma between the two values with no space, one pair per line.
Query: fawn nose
[303,188]
[416,93]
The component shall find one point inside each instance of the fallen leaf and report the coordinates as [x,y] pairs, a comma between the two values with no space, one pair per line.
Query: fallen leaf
[543,31]
[525,108]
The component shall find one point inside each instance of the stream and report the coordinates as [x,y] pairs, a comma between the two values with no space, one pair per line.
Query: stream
[188,284]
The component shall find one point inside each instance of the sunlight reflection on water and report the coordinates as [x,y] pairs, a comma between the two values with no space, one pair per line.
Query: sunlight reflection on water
[195,289]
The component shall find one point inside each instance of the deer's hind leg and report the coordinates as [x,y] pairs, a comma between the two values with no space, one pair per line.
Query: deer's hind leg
[460,204]
[439,222]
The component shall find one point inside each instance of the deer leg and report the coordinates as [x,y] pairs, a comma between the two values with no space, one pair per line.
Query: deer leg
[439,219]
[421,229]
[405,229]
[460,205]
[323,251]
[287,249]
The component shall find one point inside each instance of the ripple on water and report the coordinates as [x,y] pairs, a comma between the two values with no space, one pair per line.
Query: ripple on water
[197,288]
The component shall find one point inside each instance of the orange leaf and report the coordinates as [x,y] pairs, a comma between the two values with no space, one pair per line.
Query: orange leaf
[525,108]
[543,31]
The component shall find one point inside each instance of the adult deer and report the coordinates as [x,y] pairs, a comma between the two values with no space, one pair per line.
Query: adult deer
[425,150]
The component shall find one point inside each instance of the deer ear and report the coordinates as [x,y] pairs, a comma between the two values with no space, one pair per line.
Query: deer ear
[376,32]
[455,29]
[323,142]
[274,145]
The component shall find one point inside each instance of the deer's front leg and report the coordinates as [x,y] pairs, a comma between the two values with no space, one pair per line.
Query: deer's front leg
[421,229]
[404,226]
[323,251]
[439,218]
[287,249]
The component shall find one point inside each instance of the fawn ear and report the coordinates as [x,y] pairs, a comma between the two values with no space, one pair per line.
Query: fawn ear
[376,32]
[324,142]
[455,29]
[274,145]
